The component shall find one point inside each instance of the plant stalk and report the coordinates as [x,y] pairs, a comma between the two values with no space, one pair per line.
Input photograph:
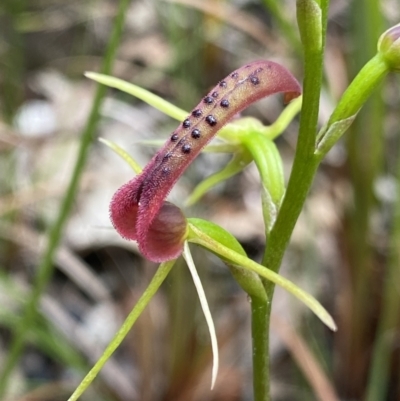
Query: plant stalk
[304,168]
[259,323]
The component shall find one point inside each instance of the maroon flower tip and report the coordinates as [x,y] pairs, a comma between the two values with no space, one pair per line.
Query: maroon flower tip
[160,237]
[124,210]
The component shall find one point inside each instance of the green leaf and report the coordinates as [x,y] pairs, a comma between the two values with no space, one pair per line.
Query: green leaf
[142,94]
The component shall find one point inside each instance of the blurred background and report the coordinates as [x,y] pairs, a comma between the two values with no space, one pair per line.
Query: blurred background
[345,248]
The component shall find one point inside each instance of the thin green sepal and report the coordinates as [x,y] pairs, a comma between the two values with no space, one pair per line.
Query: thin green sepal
[123,154]
[158,279]
[284,119]
[142,94]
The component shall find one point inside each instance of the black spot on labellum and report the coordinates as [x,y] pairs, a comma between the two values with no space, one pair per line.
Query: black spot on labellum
[208,99]
[186,123]
[234,75]
[214,94]
[258,70]
[197,113]
[223,84]
[211,120]
[196,133]
[224,103]
[167,156]
[186,148]
[174,137]
[254,80]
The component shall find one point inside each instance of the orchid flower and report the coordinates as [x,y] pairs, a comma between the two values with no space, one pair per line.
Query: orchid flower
[138,209]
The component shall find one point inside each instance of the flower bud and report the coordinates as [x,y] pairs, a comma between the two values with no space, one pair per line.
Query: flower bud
[389,47]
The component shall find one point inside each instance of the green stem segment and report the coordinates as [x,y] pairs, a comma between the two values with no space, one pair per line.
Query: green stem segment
[305,164]
[259,333]
[46,267]
[252,285]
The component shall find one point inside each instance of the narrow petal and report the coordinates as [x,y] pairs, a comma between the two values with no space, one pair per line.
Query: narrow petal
[206,310]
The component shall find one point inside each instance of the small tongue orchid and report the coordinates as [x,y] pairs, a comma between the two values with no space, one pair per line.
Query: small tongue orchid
[138,209]
[140,212]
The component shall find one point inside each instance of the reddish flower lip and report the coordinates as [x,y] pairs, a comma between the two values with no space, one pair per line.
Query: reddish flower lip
[138,209]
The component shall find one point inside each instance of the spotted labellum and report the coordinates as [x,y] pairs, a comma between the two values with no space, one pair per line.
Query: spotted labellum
[138,209]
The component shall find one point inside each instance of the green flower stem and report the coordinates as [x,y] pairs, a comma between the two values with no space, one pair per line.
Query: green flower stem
[252,284]
[158,279]
[305,164]
[46,267]
[259,333]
